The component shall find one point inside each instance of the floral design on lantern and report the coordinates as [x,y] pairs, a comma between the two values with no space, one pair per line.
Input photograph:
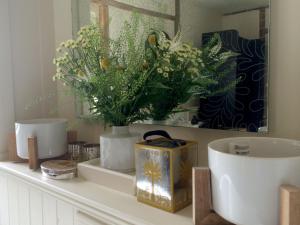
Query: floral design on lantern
[152,170]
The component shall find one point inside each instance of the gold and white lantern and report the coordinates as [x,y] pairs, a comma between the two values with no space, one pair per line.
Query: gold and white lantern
[164,173]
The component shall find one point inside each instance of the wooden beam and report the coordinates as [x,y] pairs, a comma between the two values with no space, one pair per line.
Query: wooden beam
[245,10]
[177,16]
[262,23]
[104,19]
[202,200]
[290,205]
[131,8]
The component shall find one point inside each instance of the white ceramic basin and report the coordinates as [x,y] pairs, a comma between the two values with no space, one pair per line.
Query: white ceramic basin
[247,174]
[51,137]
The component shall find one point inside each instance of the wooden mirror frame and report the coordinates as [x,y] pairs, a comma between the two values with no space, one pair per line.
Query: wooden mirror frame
[104,13]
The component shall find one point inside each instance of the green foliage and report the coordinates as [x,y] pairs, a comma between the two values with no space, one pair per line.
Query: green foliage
[216,67]
[177,67]
[185,71]
[109,74]
[128,80]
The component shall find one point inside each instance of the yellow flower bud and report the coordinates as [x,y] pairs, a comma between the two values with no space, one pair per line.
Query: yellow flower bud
[104,63]
[145,65]
[80,73]
[152,39]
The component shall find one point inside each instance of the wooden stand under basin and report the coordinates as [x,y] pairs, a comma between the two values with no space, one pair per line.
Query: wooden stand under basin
[290,205]
[33,161]
[203,213]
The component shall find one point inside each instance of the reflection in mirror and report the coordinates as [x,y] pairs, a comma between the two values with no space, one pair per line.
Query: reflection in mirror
[238,101]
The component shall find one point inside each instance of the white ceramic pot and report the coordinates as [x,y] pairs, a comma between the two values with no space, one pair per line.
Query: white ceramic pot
[51,137]
[117,149]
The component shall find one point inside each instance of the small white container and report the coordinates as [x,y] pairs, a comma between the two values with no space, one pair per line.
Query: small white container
[51,137]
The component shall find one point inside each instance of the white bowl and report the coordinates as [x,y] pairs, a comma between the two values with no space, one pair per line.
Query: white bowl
[246,187]
[51,137]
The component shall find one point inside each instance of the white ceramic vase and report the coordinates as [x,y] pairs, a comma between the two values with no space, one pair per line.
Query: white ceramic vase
[117,149]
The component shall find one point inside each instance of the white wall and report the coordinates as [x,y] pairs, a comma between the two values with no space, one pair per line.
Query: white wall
[197,19]
[32,37]
[285,73]
[7,114]
[246,23]
[27,49]
[63,31]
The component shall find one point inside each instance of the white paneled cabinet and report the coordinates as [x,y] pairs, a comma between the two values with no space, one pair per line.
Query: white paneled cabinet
[24,204]
[26,198]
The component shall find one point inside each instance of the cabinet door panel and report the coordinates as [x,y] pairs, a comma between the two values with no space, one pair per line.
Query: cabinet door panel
[36,207]
[13,202]
[65,213]
[49,210]
[24,205]
[3,200]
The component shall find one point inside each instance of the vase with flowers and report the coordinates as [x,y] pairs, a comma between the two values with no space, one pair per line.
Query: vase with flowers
[114,78]
[125,80]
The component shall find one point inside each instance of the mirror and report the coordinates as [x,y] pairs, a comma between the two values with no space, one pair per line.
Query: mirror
[243,27]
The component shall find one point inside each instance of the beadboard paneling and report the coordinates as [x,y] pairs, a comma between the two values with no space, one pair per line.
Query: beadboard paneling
[4,217]
[65,213]
[36,207]
[24,205]
[49,210]
[13,202]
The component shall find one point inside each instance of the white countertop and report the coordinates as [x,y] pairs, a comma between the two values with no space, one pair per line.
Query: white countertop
[100,198]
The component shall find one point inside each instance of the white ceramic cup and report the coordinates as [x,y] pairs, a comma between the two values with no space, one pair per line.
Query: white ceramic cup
[51,137]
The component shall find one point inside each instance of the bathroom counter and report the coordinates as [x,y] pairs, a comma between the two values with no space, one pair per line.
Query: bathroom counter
[96,202]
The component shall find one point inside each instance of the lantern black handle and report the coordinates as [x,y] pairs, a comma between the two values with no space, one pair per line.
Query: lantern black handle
[161,133]
[165,134]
